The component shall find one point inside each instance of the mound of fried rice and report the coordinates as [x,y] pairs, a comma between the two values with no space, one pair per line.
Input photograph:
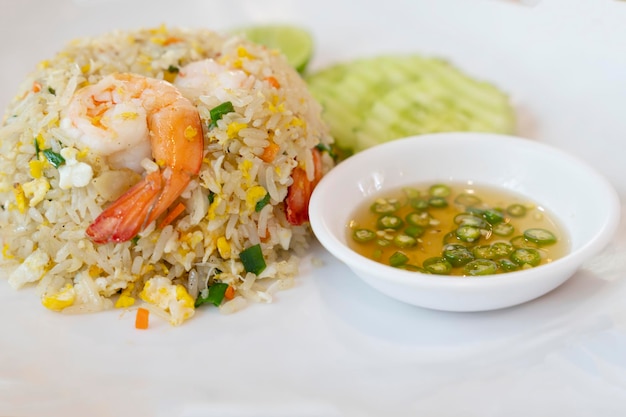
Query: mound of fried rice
[42,226]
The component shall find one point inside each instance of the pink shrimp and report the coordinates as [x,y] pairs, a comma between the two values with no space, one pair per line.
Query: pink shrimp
[127,118]
[299,192]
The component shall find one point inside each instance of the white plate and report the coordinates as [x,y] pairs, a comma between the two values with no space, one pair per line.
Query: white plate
[331,346]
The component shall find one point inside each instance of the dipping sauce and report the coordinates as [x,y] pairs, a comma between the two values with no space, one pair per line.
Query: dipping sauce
[456,229]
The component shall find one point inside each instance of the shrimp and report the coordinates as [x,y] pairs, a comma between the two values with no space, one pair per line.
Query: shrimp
[300,191]
[128,118]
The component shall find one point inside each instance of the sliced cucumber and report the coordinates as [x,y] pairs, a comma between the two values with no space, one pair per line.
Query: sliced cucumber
[374,100]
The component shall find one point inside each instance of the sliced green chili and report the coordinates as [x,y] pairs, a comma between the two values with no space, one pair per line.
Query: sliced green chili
[384,206]
[503,229]
[457,255]
[363,235]
[398,259]
[467,200]
[516,210]
[414,231]
[437,265]
[404,241]
[439,190]
[481,267]
[540,236]
[468,233]
[389,221]
[526,256]
[438,202]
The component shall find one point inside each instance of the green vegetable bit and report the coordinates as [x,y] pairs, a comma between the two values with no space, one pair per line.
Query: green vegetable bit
[262,203]
[457,255]
[516,210]
[526,256]
[53,157]
[214,295]
[398,259]
[219,111]
[252,259]
[363,235]
[481,267]
[540,236]
[389,221]
[437,265]
[404,241]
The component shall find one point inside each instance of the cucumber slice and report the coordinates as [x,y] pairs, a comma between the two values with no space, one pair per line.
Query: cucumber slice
[374,100]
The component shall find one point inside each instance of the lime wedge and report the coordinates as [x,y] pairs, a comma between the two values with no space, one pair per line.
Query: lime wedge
[294,42]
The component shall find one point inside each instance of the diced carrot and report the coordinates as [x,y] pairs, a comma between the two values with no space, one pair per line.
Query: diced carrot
[171,40]
[270,152]
[230,293]
[36,87]
[172,215]
[273,81]
[141,319]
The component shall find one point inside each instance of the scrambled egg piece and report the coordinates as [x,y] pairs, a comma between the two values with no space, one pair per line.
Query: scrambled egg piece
[73,173]
[173,299]
[31,270]
[36,190]
[58,301]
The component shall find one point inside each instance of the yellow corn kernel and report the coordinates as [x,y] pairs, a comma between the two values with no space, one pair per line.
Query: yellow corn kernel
[44,64]
[223,247]
[20,198]
[64,298]
[85,68]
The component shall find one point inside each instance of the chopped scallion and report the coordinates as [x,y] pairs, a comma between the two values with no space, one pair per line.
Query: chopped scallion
[252,259]
[219,111]
[53,157]
[214,295]
[262,203]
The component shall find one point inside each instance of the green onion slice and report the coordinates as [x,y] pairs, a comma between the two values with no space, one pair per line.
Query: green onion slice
[53,157]
[214,295]
[219,111]
[252,259]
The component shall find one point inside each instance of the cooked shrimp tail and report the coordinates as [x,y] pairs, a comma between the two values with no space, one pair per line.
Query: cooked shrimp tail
[300,191]
[174,132]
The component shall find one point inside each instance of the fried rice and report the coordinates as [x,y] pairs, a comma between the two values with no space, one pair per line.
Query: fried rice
[236,201]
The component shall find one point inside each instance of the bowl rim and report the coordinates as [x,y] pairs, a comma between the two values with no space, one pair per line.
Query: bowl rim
[574,258]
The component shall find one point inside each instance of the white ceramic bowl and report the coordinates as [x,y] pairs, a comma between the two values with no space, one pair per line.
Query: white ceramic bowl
[585,204]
